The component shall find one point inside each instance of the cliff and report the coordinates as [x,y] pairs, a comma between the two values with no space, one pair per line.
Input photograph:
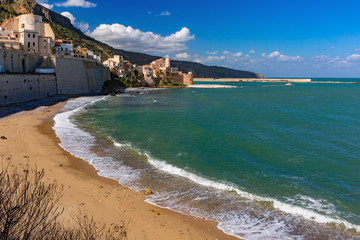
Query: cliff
[64,29]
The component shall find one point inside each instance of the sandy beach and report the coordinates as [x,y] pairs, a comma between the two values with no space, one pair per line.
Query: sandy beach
[31,140]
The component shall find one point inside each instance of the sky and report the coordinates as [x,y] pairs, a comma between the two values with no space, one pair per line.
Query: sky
[275,38]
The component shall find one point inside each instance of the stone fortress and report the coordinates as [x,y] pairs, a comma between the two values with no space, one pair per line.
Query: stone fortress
[30,69]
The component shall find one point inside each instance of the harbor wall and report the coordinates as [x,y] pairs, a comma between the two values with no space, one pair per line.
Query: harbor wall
[234,80]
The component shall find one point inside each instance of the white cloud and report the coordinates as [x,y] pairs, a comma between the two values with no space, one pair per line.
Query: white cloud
[182,56]
[239,54]
[46,4]
[214,58]
[357,50]
[353,58]
[274,54]
[76,3]
[226,52]
[69,16]
[212,53]
[84,27]
[165,13]
[122,37]
[321,58]
[251,51]
[283,58]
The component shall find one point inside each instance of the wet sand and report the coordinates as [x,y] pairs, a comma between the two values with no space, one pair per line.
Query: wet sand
[31,140]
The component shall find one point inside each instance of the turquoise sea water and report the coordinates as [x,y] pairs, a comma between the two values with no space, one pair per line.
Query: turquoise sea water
[264,160]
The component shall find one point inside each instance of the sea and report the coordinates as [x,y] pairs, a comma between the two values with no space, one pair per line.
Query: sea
[264,160]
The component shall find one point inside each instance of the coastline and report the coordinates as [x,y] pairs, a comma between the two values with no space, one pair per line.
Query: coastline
[30,138]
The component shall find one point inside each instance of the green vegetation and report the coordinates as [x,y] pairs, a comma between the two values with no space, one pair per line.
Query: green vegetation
[7,11]
[169,84]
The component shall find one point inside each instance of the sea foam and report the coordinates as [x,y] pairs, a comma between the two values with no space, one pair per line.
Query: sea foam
[79,143]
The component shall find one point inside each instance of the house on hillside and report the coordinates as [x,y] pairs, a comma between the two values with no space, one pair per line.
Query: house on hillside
[117,64]
[80,52]
[64,47]
[29,33]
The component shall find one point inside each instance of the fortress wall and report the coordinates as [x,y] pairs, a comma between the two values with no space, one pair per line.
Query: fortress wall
[18,62]
[72,76]
[79,76]
[189,79]
[186,79]
[16,88]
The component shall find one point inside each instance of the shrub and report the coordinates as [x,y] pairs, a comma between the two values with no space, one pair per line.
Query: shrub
[29,210]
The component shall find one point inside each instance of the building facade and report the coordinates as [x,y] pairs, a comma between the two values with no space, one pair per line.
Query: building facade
[29,32]
[80,52]
[64,47]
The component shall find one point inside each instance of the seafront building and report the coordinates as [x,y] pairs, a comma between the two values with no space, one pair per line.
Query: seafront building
[28,33]
[152,73]
[117,64]
[161,68]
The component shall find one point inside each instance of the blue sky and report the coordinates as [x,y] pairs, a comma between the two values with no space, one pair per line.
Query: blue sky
[274,38]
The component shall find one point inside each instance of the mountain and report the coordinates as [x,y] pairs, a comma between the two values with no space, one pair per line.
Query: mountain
[65,30]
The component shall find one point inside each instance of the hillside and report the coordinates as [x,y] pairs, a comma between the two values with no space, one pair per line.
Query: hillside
[64,29]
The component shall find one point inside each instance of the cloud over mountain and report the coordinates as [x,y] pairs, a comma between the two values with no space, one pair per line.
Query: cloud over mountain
[76,3]
[128,38]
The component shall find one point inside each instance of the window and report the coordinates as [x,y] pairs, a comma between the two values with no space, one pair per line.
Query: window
[34,44]
[23,25]
[17,36]
[28,44]
[29,35]
[33,35]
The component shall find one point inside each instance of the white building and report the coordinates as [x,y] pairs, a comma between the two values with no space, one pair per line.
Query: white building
[115,62]
[64,48]
[29,32]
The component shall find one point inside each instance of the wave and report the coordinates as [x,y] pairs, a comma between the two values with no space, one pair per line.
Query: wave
[79,143]
[310,210]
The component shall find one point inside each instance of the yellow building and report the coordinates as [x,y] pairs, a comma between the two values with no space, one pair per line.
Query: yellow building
[29,32]
[80,52]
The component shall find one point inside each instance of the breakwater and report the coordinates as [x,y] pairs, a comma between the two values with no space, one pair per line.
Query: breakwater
[234,80]
[68,76]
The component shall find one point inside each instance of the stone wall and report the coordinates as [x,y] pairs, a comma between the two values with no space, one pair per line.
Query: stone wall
[186,79]
[16,88]
[79,76]
[72,76]
[18,62]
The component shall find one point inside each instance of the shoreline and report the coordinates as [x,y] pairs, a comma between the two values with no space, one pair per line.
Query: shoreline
[30,134]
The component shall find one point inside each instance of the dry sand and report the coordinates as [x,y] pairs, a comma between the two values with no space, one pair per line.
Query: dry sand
[30,139]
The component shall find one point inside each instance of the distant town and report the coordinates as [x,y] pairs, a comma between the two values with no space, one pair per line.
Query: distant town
[29,34]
